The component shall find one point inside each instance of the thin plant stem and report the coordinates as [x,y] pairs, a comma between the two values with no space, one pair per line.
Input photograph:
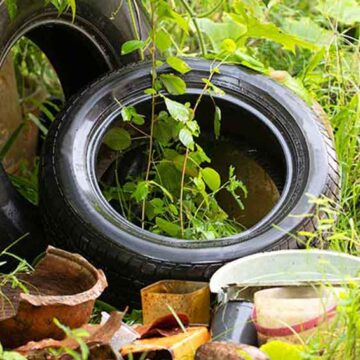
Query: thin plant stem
[153,103]
[211,11]
[197,28]
[134,25]
[186,157]
[181,217]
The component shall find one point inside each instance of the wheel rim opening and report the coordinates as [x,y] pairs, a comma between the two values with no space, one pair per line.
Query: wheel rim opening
[246,142]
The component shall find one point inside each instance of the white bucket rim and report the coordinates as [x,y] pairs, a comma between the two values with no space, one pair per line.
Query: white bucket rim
[218,282]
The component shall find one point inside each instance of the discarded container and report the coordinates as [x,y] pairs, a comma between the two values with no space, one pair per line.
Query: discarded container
[219,350]
[177,347]
[186,297]
[123,336]
[232,322]
[292,314]
[167,325]
[242,277]
[98,342]
[63,286]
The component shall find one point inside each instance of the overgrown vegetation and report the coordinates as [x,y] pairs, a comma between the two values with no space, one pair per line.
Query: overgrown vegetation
[310,46]
[176,193]
[62,6]
[178,190]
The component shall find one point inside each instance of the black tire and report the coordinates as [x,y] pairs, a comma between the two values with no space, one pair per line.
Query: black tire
[80,51]
[77,216]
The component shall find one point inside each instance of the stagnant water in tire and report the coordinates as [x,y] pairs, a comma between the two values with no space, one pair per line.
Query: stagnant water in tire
[264,180]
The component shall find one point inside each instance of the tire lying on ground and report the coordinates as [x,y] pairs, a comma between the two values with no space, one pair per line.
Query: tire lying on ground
[80,51]
[254,108]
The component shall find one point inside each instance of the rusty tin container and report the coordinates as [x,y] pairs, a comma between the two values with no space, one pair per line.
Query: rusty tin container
[185,297]
[177,347]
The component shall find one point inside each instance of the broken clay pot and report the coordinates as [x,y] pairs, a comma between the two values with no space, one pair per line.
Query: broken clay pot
[63,286]
[98,341]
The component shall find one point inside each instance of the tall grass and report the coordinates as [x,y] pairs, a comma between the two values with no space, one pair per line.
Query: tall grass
[331,75]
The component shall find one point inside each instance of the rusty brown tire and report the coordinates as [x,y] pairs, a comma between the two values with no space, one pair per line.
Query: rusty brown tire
[78,217]
[80,51]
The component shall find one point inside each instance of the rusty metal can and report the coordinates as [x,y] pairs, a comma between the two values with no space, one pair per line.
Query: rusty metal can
[187,297]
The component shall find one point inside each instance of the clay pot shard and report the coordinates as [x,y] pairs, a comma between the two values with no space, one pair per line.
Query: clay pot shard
[63,286]
[98,342]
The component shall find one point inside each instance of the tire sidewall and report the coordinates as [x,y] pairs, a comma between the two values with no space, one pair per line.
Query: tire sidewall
[67,155]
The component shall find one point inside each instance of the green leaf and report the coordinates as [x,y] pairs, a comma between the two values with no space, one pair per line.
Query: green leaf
[168,227]
[218,32]
[72,4]
[126,113]
[255,8]
[201,187]
[313,63]
[129,113]
[163,189]
[186,138]
[173,209]
[63,6]
[162,40]
[191,168]
[131,46]
[229,46]
[157,203]
[117,139]
[270,31]
[12,8]
[199,156]
[199,183]
[170,154]
[309,30]
[194,127]
[150,91]
[278,350]
[211,178]
[248,60]
[178,64]
[177,110]
[163,132]
[213,87]
[12,355]
[154,208]
[159,63]
[166,128]
[217,122]
[343,11]
[165,11]
[141,191]
[169,177]
[173,84]
[244,355]
[34,119]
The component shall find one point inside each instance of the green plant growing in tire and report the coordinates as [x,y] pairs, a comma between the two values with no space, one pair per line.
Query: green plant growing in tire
[176,194]
[61,5]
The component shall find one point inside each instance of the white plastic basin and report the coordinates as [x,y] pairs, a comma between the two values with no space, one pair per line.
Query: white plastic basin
[287,268]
